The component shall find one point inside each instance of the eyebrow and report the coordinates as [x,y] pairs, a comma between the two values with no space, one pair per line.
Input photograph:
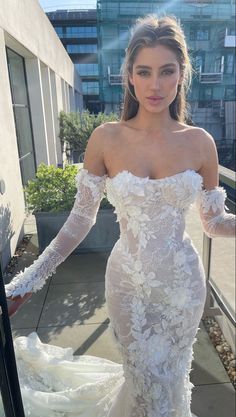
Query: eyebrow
[163,66]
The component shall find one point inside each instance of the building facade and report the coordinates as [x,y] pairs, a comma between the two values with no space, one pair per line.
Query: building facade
[77,30]
[209,27]
[38,79]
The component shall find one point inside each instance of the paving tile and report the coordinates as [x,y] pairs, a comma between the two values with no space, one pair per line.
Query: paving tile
[70,304]
[82,268]
[22,332]
[207,366]
[216,400]
[90,339]
[29,313]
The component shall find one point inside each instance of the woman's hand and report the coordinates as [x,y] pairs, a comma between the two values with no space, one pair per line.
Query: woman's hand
[15,303]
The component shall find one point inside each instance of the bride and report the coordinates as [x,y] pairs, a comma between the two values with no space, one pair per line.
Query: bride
[154,166]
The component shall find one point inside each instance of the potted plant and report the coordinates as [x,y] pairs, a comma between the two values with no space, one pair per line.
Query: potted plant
[51,196]
[76,128]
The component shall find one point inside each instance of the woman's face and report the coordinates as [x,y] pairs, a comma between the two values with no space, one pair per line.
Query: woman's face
[156,73]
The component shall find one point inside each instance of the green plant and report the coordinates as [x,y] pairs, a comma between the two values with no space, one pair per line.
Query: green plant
[54,189]
[76,128]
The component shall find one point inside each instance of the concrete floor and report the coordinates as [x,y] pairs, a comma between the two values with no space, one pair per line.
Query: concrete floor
[70,310]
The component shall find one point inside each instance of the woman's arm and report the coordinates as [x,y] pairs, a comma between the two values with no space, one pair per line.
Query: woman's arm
[90,190]
[210,201]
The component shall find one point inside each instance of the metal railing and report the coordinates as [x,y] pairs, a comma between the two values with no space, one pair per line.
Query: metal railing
[226,177]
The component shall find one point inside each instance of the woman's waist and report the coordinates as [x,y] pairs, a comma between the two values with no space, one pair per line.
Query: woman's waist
[151,240]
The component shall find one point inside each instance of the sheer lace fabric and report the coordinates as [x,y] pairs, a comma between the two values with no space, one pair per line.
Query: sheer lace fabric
[81,219]
[155,295]
[215,220]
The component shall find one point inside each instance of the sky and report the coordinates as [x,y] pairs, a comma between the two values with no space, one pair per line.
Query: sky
[50,5]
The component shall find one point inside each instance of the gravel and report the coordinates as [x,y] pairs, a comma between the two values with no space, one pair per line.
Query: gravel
[223,349]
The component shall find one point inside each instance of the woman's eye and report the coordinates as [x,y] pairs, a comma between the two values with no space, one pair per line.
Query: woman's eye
[168,72]
[143,73]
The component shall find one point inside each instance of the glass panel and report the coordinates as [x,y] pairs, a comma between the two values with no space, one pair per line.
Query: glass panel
[229,64]
[27,168]
[2,413]
[90,87]
[81,48]
[87,69]
[22,115]
[23,129]
[17,78]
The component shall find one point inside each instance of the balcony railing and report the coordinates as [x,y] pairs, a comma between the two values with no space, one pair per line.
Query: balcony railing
[114,79]
[227,177]
[210,77]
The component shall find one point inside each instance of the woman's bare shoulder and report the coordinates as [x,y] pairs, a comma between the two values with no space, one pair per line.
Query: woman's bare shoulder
[102,132]
[98,146]
[197,134]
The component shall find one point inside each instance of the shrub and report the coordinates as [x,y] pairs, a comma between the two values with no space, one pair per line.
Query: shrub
[54,189]
[76,128]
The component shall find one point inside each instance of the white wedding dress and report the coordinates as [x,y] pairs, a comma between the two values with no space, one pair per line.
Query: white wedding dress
[155,294]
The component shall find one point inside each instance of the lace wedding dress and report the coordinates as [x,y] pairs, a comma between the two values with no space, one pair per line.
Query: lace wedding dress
[155,294]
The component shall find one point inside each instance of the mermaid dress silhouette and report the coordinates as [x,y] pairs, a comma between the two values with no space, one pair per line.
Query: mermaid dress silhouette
[155,292]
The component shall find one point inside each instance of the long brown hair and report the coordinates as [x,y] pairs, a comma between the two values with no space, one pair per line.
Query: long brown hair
[150,31]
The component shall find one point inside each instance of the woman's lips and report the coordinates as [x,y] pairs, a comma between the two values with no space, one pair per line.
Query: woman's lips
[154,100]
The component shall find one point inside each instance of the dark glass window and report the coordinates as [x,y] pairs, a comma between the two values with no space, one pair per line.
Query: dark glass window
[22,115]
[81,32]
[90,87]
[199,34]
[59,30]
[205,97]
[229,63]
[81,49]
[230,93]
[87,69]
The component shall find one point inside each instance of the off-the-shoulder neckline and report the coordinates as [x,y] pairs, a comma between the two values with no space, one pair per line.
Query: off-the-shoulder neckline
[125,171]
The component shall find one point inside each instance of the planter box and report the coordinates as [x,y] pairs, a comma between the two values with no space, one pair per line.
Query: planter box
[102,237]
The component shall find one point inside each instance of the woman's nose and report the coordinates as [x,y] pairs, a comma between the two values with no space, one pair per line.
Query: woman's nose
[155,83]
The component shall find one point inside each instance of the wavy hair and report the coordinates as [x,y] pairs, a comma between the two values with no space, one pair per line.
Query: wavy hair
[151,31]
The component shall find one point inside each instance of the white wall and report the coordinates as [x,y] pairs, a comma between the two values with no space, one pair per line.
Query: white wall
[53,85]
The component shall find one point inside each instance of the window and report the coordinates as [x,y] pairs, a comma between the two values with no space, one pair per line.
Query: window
[218,64]
[81,49]
[59,31]
[230,93]
[87,69]
[199,63]
[229,64]
[22,115]
[199,34]
[81,32]
[231,32]
[90,87]
[205,97]
[123,36]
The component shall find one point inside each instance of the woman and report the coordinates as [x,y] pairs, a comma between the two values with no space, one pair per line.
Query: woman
[154,166]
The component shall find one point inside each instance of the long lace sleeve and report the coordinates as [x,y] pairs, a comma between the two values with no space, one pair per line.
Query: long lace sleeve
[215,220]
[90,190]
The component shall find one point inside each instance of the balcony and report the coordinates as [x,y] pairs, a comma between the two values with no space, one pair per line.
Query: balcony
[114,79]
[230,41]
[210,77]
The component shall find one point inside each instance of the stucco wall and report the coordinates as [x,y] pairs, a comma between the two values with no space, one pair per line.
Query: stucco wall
[52,83]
